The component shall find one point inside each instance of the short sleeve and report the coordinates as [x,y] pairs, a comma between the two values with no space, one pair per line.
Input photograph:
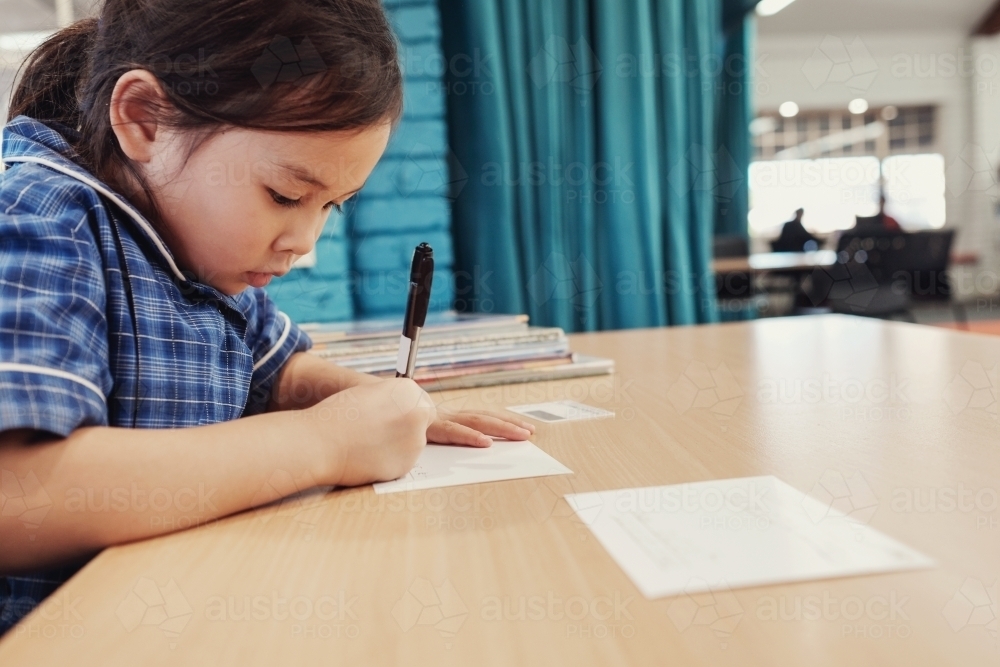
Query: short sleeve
[54,371]
[273,338]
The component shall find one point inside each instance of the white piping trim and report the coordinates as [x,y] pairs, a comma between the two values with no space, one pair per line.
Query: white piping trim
[139,220]
[41,370]
[277,346]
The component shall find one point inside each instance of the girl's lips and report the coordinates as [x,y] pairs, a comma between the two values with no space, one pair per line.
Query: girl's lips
[255,279]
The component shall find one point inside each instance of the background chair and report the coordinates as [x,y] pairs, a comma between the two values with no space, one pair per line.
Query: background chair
[737,296]
[880,273]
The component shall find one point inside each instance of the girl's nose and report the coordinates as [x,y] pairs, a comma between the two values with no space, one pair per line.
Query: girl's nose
[298,241]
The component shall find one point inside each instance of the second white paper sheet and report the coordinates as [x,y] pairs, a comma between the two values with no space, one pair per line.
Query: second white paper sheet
[445,465]
[732,533]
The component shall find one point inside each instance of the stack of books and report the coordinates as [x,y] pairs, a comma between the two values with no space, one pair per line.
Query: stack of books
[458,350]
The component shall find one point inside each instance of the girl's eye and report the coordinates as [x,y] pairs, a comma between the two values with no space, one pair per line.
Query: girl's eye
[283,201]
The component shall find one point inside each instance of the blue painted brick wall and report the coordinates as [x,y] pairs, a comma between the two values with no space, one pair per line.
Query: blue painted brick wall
[321,293]
[363,260]
[405,201]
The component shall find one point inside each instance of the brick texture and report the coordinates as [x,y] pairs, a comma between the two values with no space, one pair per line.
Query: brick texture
[363,258]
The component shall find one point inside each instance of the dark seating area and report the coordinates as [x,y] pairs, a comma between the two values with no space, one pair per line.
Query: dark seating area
[881,273]
[878,273]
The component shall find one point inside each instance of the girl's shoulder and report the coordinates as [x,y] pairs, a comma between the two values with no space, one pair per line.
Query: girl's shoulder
[35,195]
[29,187]
[41,181]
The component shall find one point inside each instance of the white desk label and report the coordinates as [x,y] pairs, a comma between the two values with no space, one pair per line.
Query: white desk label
[560,411]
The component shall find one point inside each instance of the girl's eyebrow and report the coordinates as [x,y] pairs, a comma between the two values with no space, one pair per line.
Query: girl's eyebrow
[305,176]
[301,174]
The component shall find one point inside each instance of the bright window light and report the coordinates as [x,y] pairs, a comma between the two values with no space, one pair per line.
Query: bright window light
[858,106]
[831,190]
[788,109]
[771,7]
[914,190]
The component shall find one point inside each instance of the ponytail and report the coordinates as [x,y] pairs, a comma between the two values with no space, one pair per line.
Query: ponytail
[53,76]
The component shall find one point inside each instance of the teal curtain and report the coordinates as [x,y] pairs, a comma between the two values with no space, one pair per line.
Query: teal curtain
[736,90]
[587,170]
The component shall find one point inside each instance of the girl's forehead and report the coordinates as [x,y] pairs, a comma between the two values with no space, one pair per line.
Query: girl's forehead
[337,162]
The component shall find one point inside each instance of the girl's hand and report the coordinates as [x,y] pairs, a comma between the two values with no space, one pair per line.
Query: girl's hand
[474,428]
[372,432]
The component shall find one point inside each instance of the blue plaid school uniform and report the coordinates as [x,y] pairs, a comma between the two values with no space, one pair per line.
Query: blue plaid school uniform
[99,326]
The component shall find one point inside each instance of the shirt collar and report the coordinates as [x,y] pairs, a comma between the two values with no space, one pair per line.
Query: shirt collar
[28,140]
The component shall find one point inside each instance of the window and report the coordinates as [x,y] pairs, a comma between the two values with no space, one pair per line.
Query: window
[831,190]
[836,165]
[914,190]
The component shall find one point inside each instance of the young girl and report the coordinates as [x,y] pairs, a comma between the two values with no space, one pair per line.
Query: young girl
[164,161]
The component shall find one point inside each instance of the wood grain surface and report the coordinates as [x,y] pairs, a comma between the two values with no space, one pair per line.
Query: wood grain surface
[894,421]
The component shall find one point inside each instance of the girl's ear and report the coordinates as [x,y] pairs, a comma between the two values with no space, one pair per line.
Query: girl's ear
[134,104]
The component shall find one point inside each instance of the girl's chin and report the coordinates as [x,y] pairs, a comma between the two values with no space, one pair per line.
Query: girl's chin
[255,279]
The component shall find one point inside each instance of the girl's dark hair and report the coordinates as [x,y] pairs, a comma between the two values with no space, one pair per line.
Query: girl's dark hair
[302,65]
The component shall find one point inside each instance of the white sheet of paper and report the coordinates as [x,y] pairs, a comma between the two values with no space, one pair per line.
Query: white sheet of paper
[558,411]
[443,465]
[732,533]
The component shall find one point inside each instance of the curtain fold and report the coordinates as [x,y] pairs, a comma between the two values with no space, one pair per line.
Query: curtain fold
[590,133]
[736,89]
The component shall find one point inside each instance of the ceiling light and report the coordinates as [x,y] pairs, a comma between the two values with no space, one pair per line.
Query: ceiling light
[890,112]
[771,7]
[788,109]
[762,125]
[859,105]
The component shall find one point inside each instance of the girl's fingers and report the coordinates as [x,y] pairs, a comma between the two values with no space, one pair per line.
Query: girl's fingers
[447,432]
[502,416]
[494,426]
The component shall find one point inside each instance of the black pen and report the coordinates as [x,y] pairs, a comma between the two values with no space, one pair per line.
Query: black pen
[421,276]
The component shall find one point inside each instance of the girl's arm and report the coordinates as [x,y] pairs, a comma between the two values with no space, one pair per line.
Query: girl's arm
[105,486]
[307,379]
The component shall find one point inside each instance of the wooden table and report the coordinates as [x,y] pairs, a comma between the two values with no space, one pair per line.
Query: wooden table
[775,261]
[904,412]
